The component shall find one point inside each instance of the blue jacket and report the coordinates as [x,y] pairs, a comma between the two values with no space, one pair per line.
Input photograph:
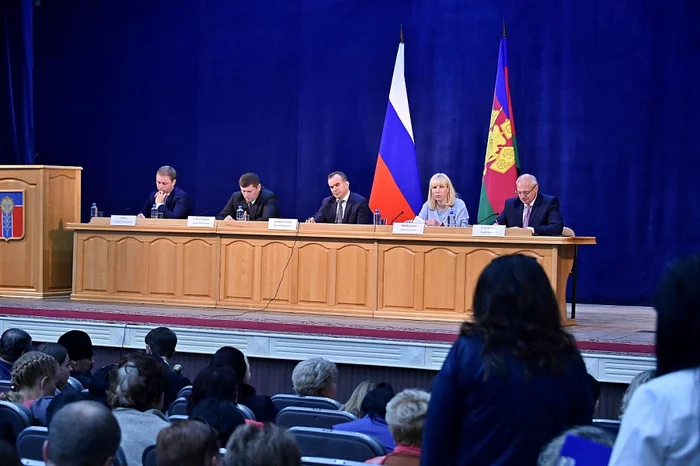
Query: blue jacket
[545,217]
[177,205]
[500,420]
[376,428]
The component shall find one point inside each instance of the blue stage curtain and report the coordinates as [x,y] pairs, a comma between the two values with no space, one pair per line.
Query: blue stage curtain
[604,101]
[16,68]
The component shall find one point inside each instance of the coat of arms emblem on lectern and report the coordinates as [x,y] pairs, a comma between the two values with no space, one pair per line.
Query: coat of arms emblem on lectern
[12,212]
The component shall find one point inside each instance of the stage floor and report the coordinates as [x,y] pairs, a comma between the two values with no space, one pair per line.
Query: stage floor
[617,341]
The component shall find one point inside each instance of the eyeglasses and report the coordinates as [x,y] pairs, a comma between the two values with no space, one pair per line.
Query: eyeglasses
[525,193]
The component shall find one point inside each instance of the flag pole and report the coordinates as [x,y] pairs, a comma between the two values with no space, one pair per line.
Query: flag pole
[401,33]
[504,27]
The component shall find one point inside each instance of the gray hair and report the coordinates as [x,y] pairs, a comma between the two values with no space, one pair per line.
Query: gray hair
[84,433]
[405,415]
[549,455]
[638,380]
[312,376]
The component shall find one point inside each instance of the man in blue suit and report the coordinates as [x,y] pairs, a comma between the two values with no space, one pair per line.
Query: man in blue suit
[343,206]
[532,210]
[170,201]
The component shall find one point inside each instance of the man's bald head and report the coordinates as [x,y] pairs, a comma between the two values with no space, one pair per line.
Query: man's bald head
[526,187]
[84,433]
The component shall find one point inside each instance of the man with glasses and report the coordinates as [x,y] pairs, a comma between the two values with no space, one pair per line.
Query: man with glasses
[533,210]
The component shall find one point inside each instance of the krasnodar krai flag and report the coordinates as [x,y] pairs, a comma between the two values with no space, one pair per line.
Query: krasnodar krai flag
[396,185]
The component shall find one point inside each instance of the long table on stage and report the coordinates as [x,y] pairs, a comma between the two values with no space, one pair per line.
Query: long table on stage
[350,270]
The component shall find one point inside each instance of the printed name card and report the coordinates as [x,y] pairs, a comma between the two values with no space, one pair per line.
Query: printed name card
[489,230]
[408,228]
[289,224]
[199,221]
[123,220]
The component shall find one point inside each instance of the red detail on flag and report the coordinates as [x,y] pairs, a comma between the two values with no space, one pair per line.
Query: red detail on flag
[386,195]
[18,222]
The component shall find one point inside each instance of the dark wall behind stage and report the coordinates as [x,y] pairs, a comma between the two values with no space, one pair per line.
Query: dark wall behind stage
[604,99]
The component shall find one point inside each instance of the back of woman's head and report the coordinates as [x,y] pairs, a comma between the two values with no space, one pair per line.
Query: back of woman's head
[187,443]
[374,404]
[56,351]
[515,310]
[138,382]
[677,304]
[354,403]
[214,381]
[232,357]
[31,367]
[220,415]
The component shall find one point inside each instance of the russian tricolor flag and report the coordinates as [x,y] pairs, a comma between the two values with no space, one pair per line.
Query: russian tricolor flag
[396,187]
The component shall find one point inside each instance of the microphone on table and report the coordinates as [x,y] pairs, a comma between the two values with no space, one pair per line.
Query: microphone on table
[397,216]
[495,214]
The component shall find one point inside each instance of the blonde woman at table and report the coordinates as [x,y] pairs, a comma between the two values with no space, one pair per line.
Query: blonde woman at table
[441,199]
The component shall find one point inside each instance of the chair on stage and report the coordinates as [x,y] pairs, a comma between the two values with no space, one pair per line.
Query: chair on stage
[296,416]
[327,443]
[283,401]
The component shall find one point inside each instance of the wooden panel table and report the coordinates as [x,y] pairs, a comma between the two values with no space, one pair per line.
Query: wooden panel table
[351,270]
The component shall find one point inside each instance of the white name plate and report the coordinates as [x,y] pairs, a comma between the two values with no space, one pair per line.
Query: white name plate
[289,224]
[488,230]
[408,228]
[198,221]
[123,220]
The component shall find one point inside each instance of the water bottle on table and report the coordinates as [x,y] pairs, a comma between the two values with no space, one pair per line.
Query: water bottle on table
[451,219]
[93,210]
[377,218]
[154,211]
[240,214]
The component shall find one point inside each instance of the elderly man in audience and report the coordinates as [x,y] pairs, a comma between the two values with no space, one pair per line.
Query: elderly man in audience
[188,443]
[83,433]
[405,415]
[551,453]
[373,423]
[256,446]
[14,343]
[136,395]
[638,380]
[315,377]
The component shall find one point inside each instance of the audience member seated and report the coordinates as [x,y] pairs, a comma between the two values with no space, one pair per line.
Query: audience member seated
[662,422]
[354,403]
[256,446]
[315,377]
[33,377]
[373,423]
[513,380]
[638,380]
[550,454]
[59,401]
[14,343]
[261,405]
[101,381]
[595,392]
[220,415]
[79,347]
[83,433]
[161,343]
[8,454]
[188,443]
[136,396]
[405,415]
[218,382]
[59,353]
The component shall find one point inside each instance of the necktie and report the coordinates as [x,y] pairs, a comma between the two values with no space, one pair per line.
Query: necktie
[526,217]
[339,212]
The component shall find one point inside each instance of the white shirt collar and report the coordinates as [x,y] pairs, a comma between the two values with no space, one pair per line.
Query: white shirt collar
[345,198]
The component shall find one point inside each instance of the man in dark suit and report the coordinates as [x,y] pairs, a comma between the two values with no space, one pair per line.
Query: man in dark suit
[343,206]
[258,203]
[170,201]
[160,343]
[532,210]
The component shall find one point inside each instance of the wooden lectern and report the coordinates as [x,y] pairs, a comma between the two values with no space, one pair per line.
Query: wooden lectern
[36,250]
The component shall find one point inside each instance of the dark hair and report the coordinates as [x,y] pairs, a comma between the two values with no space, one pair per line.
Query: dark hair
[248,179]
[213,381]
[162,341]
[595,388]
[84,433]
[220,414]
[167,170]
[342,175]
[63,399]
[256,446]
[187,443]
[677,305]
[14,342]
[56,351]
[232,357]
[374,404]
[516,312]
[101,381]
[139,383]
